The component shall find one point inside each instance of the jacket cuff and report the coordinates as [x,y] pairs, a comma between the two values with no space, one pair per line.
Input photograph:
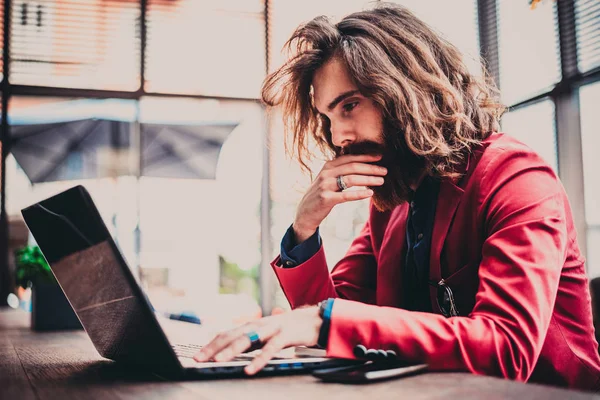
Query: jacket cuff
[353,323]
[293,254]
[306,284]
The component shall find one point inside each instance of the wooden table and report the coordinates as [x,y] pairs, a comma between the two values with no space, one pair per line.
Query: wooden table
[64,365]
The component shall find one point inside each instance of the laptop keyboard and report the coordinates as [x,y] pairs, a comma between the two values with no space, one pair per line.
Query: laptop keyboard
[189,350]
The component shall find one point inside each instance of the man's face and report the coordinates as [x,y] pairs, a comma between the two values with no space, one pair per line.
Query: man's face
[357,127]
[353,118]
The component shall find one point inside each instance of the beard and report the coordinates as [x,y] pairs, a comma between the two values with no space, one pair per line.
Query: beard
[403,166]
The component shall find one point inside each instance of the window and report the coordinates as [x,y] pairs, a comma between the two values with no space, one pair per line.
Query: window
[529,61]
[205,235]
[590,120]
[287,15]
[460,29]
[534,126]
[198,236]
[75,43]
[206,47]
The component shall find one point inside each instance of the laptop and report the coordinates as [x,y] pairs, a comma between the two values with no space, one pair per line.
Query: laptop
[112,306]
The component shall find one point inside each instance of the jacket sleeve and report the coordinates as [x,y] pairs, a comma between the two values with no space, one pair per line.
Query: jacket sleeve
[523,206]
[293,254]
[353,277]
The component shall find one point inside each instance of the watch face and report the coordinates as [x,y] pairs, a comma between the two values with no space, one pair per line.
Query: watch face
[322,308]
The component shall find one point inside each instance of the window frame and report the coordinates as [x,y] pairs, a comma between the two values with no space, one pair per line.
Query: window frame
[564,94]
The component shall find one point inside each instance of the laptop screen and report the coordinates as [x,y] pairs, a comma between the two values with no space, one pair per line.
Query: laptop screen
[64,225]
[98,283]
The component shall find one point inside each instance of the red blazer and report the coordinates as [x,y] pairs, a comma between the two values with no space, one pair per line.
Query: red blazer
[504,241]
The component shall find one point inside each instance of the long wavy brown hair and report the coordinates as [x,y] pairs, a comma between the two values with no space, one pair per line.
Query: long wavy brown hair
[427,95]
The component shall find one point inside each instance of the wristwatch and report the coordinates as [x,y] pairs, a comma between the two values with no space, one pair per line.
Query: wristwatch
[322,305]
[325,307]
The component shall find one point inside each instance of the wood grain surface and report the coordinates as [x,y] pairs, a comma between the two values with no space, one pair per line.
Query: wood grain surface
[65,365]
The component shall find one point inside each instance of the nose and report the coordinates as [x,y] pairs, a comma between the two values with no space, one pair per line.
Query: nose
[342,134]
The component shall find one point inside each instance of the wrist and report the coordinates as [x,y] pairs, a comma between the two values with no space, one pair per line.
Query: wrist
[314,319]
[318,318]
[302,233]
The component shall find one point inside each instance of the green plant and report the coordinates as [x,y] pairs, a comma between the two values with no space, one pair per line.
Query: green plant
[31,267]
[235,280]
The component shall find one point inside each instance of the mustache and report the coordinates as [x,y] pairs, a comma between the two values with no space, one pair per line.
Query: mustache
[361,148]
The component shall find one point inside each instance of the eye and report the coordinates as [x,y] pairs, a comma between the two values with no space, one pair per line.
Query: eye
[350,106]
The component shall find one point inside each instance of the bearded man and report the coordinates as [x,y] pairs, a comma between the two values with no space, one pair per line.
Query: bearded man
[469,258]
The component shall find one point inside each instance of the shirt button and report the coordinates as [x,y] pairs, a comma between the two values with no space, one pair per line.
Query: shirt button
[412,204]
[289,264]
[420,236]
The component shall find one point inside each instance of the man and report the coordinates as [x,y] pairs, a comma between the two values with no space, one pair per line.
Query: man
[469,259]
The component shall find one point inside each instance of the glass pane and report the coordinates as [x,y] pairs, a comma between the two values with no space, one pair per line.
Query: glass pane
[587,17]
[535,126]
[206,47]
[287,15]
[198,241]
[58,143]
[200,237]
[528,44]
[76,43]
[460,30]
[590,140]
[593,251]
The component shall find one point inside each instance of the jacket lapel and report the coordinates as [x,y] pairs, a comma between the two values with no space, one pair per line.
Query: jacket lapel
[447,203]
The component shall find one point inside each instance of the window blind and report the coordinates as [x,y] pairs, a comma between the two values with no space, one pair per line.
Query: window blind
[76,43]
[587,18]
[2,41]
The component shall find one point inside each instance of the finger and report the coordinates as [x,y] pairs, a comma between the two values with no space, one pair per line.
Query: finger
[357,169]
[357,180]
[221,341]
[273,346]
[348,158]
[350,195]
[243,343]
[221,349]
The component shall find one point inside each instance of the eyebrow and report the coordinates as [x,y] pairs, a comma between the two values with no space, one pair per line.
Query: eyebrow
[341,98]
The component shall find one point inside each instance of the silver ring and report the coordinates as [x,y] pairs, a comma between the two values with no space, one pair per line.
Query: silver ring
[254,339]
[341,184]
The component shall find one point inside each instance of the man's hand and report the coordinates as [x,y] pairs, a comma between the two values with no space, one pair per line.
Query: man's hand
[323,194]
[295,328]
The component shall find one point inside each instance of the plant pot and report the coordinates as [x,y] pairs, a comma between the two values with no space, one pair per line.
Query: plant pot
[50,309]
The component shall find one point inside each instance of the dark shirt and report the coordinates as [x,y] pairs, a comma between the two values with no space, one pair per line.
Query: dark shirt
[419,229]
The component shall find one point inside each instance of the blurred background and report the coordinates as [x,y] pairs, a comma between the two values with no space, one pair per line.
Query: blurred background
[153,105]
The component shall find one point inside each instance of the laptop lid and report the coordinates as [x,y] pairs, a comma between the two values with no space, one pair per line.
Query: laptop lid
[97,281]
